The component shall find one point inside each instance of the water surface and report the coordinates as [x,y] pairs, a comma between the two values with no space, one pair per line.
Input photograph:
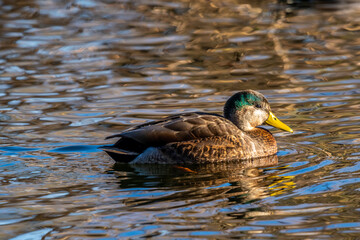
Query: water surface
[71,74]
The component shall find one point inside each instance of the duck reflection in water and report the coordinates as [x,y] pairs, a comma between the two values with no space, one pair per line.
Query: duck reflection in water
[243,182]
[198,138]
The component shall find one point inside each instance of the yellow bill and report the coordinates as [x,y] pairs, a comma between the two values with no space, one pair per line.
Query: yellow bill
[275,122]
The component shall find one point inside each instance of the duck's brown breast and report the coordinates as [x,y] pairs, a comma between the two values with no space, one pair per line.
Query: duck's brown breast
[265,143]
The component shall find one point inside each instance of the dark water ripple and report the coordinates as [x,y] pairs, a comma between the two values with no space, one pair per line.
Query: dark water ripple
[73,73]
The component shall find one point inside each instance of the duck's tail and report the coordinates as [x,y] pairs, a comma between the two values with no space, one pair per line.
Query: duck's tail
[119,155]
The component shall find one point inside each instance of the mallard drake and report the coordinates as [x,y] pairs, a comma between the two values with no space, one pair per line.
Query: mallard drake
[197,137]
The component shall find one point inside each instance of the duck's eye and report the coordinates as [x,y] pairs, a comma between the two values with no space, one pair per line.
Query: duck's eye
[257,105]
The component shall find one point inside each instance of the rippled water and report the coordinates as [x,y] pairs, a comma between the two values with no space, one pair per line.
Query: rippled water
[74,72]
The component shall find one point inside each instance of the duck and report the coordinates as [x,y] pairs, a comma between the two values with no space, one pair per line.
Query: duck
[199,137]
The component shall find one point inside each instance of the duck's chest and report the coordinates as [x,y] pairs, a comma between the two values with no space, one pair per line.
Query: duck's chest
[260,142]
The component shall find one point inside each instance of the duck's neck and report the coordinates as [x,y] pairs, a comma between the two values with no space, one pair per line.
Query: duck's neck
[244,120]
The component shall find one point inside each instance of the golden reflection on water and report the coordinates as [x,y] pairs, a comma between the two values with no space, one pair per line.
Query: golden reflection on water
[71,74]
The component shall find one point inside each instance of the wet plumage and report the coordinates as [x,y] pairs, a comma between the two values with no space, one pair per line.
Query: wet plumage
[197,137]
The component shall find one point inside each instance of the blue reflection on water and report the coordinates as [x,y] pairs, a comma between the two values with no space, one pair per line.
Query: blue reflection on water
[131,233]
[309,169]
[17,149]
[327,186]
[77,148]
[35,235]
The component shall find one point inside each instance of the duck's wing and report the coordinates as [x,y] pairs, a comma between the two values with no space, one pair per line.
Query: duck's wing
[176,128]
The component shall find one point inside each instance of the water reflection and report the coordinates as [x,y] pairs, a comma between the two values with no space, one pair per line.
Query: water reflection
[196,187]
[192,175]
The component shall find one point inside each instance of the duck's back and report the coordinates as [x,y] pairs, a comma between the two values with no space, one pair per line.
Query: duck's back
[190,138]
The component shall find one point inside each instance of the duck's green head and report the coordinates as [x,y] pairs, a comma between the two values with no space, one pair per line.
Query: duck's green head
[248,109]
